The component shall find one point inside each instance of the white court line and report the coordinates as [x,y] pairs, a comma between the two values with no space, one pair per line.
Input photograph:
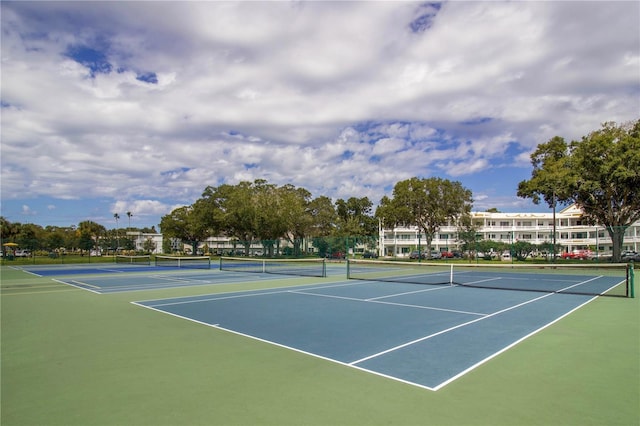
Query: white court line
[434,288]
[431,308]
[238,294]
[81,283]
[259,339]
[353,364]
[76,286]
[395,348]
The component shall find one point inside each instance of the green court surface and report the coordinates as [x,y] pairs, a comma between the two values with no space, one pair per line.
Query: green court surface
[74,357]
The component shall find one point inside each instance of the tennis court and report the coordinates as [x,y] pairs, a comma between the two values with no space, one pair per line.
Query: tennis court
[316,350]
[424,335]
[105,280]
[135,273]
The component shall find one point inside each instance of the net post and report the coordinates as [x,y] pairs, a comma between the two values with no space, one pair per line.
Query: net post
[348,266]
[324,268]
[451,274]
[631,281]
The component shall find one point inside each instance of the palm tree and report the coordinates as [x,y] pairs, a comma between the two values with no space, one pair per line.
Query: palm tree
[129,214]
[117,216]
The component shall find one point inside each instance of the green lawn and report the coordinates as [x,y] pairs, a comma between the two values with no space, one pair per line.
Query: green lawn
[71,357]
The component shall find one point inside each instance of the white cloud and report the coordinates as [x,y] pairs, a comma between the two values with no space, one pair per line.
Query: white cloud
[26,211]
[341,98]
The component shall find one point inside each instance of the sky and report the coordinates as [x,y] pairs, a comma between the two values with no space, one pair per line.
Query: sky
[115,107]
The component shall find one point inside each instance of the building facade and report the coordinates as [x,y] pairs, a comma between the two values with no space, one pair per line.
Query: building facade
[536,228]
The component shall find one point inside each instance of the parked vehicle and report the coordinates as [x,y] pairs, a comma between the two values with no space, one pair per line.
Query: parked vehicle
[22,253]
[629,255]
[578,254]
[337,255]
[416,255]
[370,255]
[436,255]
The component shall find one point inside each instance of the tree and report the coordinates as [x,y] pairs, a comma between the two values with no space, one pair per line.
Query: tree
[85,242]
[259,210]
[30,236]
[468,234]
[8,230]
[323,216]
[522,249]
[550,177]
[116,216]
[149,245]
[425,203]
[93,229]
[600,174]
[355,217]
[295,210]
[183,224]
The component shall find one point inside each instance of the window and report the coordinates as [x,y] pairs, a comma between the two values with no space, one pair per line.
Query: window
[504,223]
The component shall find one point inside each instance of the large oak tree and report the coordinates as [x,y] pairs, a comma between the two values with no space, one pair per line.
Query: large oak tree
[600,174]
[426,203]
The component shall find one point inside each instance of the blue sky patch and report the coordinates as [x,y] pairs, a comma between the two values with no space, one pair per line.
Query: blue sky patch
[174,172]
[148,77]
[475,121]
[93,59]
[347,155]
[425,20]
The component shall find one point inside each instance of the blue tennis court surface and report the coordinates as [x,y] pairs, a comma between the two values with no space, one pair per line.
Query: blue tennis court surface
[113,278]
[83,269]
[422,335]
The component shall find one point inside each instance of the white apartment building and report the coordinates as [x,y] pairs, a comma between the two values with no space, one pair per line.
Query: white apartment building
[536,228]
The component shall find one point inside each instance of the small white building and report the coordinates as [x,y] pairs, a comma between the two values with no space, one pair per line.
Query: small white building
[140,240]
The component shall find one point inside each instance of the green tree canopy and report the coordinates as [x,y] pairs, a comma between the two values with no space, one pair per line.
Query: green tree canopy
[184,224]
[426,203]
[355,217]
[600,174]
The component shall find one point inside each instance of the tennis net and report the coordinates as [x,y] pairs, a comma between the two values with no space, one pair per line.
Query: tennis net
[312,267]
[134,260]
[194,262]
[586,279]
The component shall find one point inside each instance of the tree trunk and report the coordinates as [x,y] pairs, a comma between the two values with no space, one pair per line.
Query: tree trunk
[617,238]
